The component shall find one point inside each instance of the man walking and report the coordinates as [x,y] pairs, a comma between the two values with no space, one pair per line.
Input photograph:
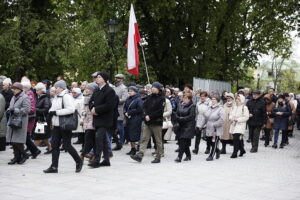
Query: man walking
[257,118]
[153,116]
[102,107]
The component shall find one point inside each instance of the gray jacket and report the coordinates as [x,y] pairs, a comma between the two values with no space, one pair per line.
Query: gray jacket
[2,116]
[214,120]
[20,105]
[122,92]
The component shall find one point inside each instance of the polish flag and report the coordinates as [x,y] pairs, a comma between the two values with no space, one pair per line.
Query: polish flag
[132,48]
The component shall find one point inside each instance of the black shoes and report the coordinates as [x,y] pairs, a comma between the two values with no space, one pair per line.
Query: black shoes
[94,164]
[38,152]
[178,160]
[274,146]
[207,151]
[13,161]
[223,151]
[136,158]
[248,140]
[187,158]
[156,160]
[118,147]
[209,158]
[50,170]
[79,167]
[253,150]
[233,156]
[131,152]
[48,152]
[104,163]
[242,153]
[195,151]
[281,146]
[23,159]
[217,154]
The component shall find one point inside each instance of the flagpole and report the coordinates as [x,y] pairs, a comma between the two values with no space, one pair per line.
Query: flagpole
[142,44]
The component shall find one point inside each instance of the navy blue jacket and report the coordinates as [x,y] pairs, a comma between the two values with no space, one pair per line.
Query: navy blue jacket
[281,121]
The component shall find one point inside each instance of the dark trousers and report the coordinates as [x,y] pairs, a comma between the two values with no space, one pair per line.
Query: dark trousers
[213,142]
[238,143]
[19,151]
[101,144]
[267,135]
[89,142]
[57,135]
[30,145]
[285,137]
[198,138]
[254,132]
[2,143]
[184,147]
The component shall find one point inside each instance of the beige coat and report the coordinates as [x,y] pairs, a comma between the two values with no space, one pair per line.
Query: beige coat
[228,108]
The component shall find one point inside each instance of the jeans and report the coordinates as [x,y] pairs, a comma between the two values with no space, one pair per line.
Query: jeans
[121,131]
[254,132]
[57,135]
[101,144]
[109,141]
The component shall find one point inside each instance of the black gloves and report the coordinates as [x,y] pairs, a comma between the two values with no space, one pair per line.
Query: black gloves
[52,113]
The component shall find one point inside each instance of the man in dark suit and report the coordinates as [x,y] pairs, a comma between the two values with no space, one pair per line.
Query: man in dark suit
[102,105]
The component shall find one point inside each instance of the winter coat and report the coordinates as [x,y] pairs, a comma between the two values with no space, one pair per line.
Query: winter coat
[201,108]
[79,106]
[87,117]
[122,92]
[240,113]
[32,114]
[134,107]
[293,115]
[257,107]
[185,116]
[19,105]
[69,106]
[2,116]
[42,108]
[214,120]
[269,108]
[281,121]
[226,128]
[167,110]
[103,101]
[154,107]
[8,94]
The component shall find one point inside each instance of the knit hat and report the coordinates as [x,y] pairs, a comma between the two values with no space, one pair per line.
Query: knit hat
[61,83]
[41,86]
[26,84]
[281,97]
[104,75]
[17,85]
[76,90]
[256,92]
[133,88]
[230,95]
[91,86]
[157,85]
[7,81]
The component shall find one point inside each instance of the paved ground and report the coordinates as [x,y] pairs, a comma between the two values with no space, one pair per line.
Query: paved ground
[269,174]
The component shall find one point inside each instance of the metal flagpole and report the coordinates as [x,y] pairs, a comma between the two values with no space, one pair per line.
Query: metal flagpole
[142,44]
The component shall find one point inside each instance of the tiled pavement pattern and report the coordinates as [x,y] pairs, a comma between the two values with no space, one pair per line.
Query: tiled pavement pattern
[272,174]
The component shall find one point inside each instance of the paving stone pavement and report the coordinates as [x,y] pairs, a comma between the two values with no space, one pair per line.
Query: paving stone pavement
[269,174]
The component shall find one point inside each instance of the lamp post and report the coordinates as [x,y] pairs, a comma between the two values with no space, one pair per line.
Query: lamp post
[258,80]
[112,29]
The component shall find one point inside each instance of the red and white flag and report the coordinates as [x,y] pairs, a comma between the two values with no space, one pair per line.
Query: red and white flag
[132,48]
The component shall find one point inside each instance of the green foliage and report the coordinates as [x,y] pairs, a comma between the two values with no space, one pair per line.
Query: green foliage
[203,38]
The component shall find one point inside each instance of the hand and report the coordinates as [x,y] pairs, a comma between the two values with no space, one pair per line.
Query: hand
[94,111]
[81,123]
[250,115]
[16,111]
[279,113]
[235,120]
[147,118]
[264,126]
[51,113]
[126,114]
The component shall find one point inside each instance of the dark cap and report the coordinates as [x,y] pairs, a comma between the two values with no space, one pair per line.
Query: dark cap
[256,92]
[104,75]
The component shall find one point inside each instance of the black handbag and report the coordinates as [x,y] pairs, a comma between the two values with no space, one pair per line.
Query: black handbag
[68,122]
[15,121]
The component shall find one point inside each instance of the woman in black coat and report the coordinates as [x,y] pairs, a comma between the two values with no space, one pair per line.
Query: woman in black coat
[133,111]
[185,117]
[42,108]
[281,113]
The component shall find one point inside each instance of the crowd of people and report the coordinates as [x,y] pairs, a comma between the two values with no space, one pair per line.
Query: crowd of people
[99,113]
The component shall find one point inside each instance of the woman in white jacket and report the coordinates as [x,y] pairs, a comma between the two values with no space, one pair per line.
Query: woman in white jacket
[62,104]
[238,119]
[79,106]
